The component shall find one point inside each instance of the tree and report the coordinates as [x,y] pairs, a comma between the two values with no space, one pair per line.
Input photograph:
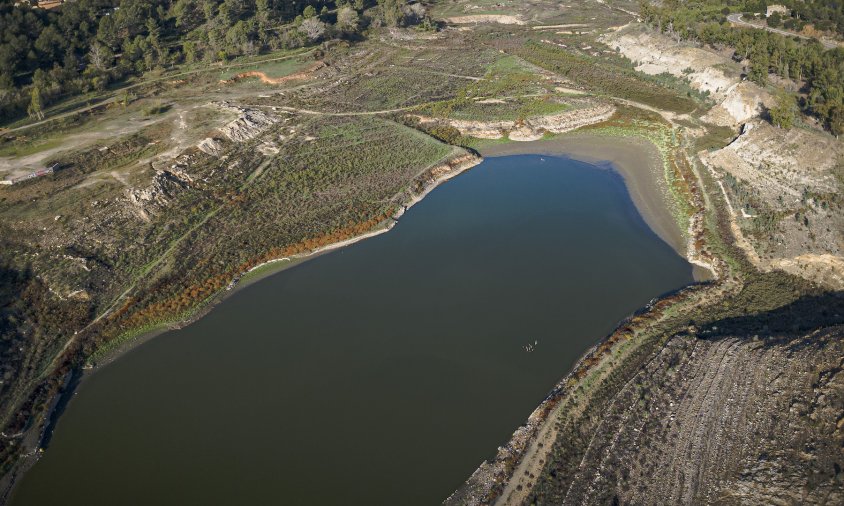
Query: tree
[240,38]
[759,64]
[782,114]
[313,28]
[107,33]
[262,14]
[826,99]
[36,104]
[190,51]
[50,44]
[309,12]
[99,57]
[347,20]
[6,83]
[154,38]
[774,20]
[41,80]
[392,11]
[836,120]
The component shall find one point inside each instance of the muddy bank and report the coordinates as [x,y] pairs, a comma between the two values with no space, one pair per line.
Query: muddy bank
[638,162]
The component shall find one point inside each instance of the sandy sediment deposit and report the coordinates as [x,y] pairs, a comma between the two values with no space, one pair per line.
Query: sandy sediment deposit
[530,129]
[706,71]
[305,74]
[485,18]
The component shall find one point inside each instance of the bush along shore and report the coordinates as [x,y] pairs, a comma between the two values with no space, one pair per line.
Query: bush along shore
[141,328]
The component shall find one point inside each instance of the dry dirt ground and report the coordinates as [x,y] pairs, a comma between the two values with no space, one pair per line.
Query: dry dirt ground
[783,185]
[736,101]
[784,189]
[695,426]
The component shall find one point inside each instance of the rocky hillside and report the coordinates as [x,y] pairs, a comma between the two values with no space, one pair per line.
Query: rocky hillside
[695,424]
[783,188]
[711,73]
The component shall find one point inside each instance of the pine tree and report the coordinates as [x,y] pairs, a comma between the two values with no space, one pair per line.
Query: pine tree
[36,104]
[783,113]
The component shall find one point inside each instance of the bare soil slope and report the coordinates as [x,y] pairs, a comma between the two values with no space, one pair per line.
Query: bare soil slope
[695,426]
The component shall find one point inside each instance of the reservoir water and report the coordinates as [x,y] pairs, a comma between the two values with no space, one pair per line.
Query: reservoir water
[381,373]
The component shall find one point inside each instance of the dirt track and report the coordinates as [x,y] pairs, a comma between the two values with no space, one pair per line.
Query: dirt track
[113,97]
[277,80]
[736,18]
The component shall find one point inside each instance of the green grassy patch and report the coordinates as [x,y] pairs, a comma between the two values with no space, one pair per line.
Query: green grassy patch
[510,109]
[598,75]
[272,69]
[25,146]
[509,90]
[716,137]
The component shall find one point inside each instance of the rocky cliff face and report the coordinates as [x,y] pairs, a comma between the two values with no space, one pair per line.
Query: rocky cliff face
[736,101]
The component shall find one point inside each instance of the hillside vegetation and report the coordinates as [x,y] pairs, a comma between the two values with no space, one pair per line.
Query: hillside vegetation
[195,141]
[818,73]
[87,46]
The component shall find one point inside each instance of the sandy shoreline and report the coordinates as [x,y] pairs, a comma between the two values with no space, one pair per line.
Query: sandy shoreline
[638,162]
[641,166]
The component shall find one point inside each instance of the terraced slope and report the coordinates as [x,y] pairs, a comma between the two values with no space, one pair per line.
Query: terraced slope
[696,425]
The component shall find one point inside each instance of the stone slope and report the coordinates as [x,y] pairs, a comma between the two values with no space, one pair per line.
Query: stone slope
[718,416]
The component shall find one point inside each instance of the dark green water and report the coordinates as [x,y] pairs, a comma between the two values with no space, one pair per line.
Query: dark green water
[383,373]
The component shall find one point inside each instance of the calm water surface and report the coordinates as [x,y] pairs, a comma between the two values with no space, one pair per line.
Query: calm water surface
[383,373]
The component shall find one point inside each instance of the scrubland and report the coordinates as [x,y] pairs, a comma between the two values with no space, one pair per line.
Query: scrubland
[168,190]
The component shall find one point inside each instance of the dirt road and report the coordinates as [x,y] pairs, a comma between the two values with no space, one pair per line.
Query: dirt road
[113,97]
[736,19]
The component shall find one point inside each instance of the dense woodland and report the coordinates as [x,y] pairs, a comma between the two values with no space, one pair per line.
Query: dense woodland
[825,15]
[819,73]
[86,45]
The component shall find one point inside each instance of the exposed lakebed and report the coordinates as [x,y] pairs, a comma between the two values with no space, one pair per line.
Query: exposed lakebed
[381,373]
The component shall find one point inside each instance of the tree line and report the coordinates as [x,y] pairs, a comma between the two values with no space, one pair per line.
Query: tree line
[819,73]
[86,45]
[824,15]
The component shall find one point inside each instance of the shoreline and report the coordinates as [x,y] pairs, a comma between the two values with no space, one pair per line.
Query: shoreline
[437,175]
[429,179]
[518,455]
[636,160]
[499,479]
